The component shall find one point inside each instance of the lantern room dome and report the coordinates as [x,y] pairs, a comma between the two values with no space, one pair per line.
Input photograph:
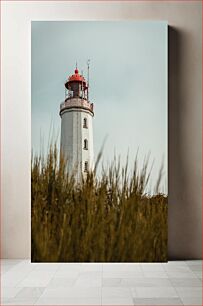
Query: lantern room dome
[76,77]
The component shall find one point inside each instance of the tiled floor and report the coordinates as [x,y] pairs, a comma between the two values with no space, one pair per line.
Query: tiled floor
[173,283]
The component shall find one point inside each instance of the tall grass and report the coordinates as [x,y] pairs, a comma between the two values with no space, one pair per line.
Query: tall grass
[105,219]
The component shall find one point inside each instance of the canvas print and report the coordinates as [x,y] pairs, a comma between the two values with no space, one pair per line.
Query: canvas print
[99,141]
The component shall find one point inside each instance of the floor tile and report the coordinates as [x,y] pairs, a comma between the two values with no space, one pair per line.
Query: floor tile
[9,292]
[155,274]
[72,292]
[86,267]
[178,274]
[69,301]
[124,267]
[90,274]
[155,292]
[117,301]
[30,292]
[115,292]
[112,282]
[122,274]
[67,274]
[4,301]
[198,274]
[60,282]
[89,279]
[50,267]
[193,262]
[16,274]
[152,267]
[153,264]
[22,301]
[175,263]
[147,282]
[6,268]
[157,301]
[185,282]
[75,267]
[196,268]
[88,282]
[189,291]
[37,279]
[11,261]
[192,301]
[177,268]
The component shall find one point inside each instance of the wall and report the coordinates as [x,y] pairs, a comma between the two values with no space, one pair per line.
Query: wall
[185,58]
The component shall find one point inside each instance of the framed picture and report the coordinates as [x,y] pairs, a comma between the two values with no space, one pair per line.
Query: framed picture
[99,141]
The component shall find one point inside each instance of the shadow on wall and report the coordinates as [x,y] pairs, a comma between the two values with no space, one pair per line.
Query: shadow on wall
[184,221]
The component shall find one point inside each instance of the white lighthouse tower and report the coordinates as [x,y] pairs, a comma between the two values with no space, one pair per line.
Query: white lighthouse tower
[76,126]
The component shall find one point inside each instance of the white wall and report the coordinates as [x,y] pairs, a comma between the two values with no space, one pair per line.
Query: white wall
[184,112]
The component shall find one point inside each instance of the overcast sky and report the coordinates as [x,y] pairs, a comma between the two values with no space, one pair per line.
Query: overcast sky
[128,84]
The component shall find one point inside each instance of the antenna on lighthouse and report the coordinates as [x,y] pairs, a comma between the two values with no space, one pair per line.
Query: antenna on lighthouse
[88,71]
[88,78]
[83,87]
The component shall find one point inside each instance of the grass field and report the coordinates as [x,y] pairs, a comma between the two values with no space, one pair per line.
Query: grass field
[108,218]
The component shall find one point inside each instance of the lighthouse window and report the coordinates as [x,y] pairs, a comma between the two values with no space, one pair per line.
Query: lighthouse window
[85,123]
[85,144]
[86,166]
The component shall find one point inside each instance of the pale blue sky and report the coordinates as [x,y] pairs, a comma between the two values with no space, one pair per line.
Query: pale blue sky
[128,83]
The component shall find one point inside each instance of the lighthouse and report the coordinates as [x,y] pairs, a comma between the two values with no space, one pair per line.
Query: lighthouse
[76,114]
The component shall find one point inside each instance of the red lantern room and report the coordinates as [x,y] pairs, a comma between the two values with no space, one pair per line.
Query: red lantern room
[76,86]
